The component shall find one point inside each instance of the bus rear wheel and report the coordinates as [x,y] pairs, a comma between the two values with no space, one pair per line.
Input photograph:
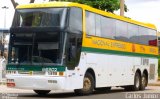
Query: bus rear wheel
[88,85]
[143,82]
[42,92]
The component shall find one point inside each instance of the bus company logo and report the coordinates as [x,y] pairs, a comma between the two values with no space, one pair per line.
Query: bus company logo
[100,43]
[109,44]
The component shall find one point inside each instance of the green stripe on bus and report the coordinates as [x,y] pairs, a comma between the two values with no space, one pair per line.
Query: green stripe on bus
[33,67]
[95,50]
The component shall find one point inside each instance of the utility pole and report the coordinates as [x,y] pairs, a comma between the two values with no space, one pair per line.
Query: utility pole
[5,8]
[121,7]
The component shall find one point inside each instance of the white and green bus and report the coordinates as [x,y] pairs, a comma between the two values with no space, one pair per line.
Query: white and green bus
[71,46]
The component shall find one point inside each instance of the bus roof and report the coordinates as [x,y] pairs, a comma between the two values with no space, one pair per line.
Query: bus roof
[86,7]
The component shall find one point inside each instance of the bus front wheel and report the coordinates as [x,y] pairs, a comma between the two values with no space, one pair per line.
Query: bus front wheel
[88,85]
[42,92]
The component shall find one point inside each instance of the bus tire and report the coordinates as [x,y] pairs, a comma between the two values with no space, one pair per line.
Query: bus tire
[143,82]
[42,92]
[137,82]
[103,89]
[88,85]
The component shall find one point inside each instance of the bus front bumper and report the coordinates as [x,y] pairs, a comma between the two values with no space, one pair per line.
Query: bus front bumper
[36,82]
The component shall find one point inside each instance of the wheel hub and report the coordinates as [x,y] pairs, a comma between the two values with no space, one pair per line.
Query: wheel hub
[143,81]
[87,84]
[137,82]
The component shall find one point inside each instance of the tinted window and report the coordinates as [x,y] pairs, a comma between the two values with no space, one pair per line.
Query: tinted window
[152,37]
[133,33]
[107,27]
[75,21]
[143,35]
[121,30]
[90,23]
[40,17]
[98,25]
[115,29]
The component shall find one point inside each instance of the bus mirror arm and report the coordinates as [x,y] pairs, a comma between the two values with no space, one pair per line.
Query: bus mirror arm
[73,31]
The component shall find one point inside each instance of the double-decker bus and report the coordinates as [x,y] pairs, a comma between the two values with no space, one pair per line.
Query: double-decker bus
[71,46]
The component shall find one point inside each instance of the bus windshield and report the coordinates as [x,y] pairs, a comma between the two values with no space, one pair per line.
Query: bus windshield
[46,36]
[36,43]
[35,48]
[39,17]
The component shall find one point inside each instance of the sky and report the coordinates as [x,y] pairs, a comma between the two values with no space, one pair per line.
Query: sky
[147,11]
[10,12]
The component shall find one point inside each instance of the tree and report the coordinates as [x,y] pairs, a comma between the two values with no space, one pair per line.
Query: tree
[106,5]
[15,4]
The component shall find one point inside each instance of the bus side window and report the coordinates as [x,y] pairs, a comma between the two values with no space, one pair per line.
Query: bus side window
[73,50]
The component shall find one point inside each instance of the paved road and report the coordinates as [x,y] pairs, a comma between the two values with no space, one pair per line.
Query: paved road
[116,93]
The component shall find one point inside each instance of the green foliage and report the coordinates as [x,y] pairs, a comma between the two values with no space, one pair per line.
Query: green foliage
[106,5]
